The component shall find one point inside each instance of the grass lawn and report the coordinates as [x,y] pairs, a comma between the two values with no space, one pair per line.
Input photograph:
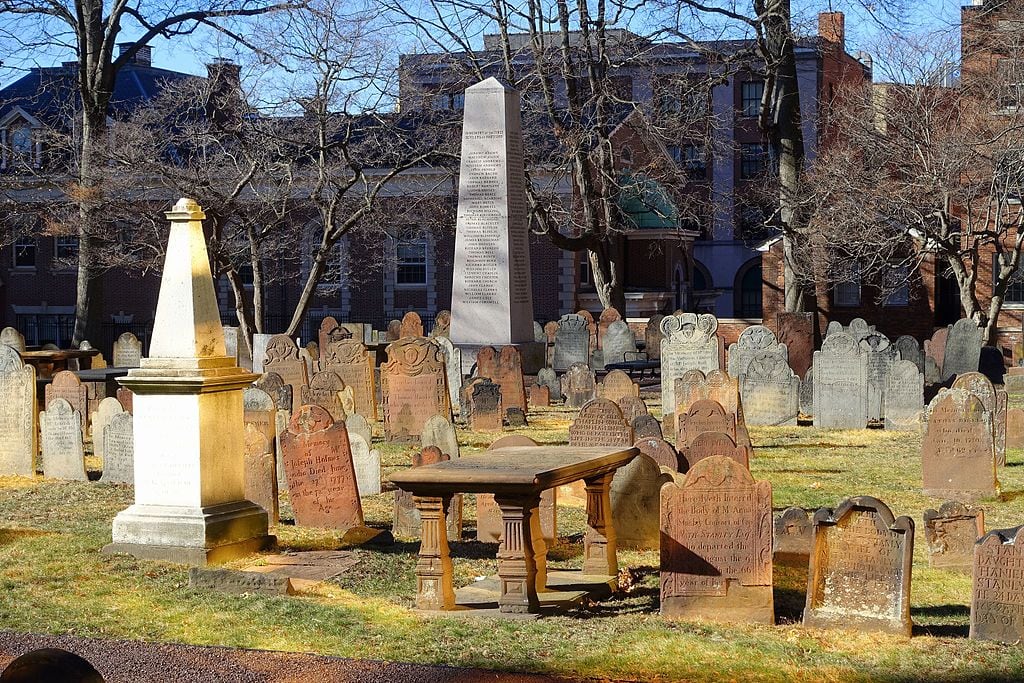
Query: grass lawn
[54,580]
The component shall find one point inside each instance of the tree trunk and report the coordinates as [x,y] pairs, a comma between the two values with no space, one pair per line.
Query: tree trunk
[89,290]
[607,282]
[242,312]
[316,269]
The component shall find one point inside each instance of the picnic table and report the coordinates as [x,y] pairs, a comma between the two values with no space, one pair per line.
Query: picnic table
[516,477]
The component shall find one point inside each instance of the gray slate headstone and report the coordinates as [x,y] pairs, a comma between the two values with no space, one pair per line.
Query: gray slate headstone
[549,378]
[572,342]
[61,429]
[963,349]
[904,397]
[17,414]
[437,431]
[119,450]
[840,384]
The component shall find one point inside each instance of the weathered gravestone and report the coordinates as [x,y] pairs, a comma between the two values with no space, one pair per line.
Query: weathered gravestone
[66,385]
[350,360]
[442,324]
[1015,428]
[328,326]
[708,444]
[979,385]
[126,397]
[690,343]
[963,349]
[539,335]
[604,321]
[997,596]
[394,331]
[618,343]
[540,396]
[957,454]
[486,413]
[904,397]
[321,478]
[703,416]
[275,387]
[118,450]
[414,386]
[259,351]
[807,393]
[506,370]
[631,406]
[859,576]
[282,357]
[859,329]
[572,342]
[578,386]
[453,369]
[600,423]
[660,451]
[647,426]
[752,342]
[235,347]
[357,424]
[548,378]
[951,532]
[366,462]
[796,331]
[260,411]
[717,386]
[324,390]
[716,545]
[770,391]
[412,325]
[127,351]
[840,384]
[880,355]
[653,337]
[635,494]
[489,522]
[407,522]
[440,432]
[616,385]
[908,349]
[10,337]
[61,429]
[935,349]
[591,328]
[794,538]
[515,417]
[261,473]
[107,409]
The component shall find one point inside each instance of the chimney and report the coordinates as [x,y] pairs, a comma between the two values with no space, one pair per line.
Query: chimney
[143,57]
[225,88]
[832,27]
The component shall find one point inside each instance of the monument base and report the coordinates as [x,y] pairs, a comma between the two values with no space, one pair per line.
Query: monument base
[191,535]
[533,355]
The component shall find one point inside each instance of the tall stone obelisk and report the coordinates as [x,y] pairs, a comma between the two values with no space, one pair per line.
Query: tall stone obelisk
[190,504]
[492,297]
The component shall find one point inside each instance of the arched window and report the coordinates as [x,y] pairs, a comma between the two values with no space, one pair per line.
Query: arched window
[749,296]
[20,140]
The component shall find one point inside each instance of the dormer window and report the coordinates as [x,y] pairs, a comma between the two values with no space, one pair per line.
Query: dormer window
[20,141]
[20,136]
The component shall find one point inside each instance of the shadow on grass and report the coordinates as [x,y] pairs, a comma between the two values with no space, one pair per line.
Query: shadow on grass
[13,535]
[642,598]
[941,613]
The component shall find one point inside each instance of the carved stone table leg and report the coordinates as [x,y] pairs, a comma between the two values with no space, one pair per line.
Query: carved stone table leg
[522,557]
[434,568]
[599,551]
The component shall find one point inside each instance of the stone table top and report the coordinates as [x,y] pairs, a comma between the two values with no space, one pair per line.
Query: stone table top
[56,355]
[516,471]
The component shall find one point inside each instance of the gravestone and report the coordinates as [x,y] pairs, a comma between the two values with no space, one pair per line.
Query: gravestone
[880,355]
[324,390]
[794,538]
[572,342]
[351,361]
[539,335]
[632,407]
[754,341]
[935,348]
[357,424]
[690,343]
[600,423]
[997,596]
[616,385]
[957,454]
[407,522]
[635,494]
[411,325]
[951,532]
[492,297]
[235,347]
[908,349]
[328,326]
[796,331]
[108,408]
[770,391]
[904,397]
[515,417]
[275,387]
[366,463]
[717,386]
[10,337]
[486,413]
[127,351]
[979,385]
[61,430]
[660,451]
[259,351]
[807,393]
[414,387]
[617,342]
[453,370]
[716,545]
[709,444]
[66,385]
[505,369]
[282,357]
[705,415]
[489,523]
[591,328]
[540,396]
[261,473]
[963,349]
[440,432]
[259,410]
[859,329]
[394,332]
[1015,428]
[578,386]
[118,450]
[125,398]
[840,384]
[548,378]
[653,337]
[604,321]
[859,576]
[647,427]
[834,327]
[321,478]
[442,324]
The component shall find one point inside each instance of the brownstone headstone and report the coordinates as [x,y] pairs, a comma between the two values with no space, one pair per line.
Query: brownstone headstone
[632,407]
[407,522]
[716,545]
[321,477]
[647,427]
[951,532]
[489,524]
[708,444]
[997,598]
[703,416]
[327,326]
[608,316]
[324,390]
[261,472]
[1015,428]
[66,385]
[957,455]
[283,358]
[540,396]
[442,324]
[600,423]
[124,397]
[660,451]
[796,331]
[935,347]
[412,325]
[980,385]
[486,412]
[394,332]
[859,576]
[414,387]
[506,370]
[578,385]
[591,326]
[616,385]
[793,538]
[351,361]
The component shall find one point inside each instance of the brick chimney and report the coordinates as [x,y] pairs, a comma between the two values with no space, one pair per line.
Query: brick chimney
[143,57]
[225,92]
[832,27]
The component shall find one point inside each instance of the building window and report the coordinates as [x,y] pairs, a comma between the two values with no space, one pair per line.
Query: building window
[1009,174]
[1010,75]
[1015,288]
[586,279]
[412,263]
[65,247]
[751,93]
[459,101]
[750,293]
[753,160]
[25,252]
[694,161]
[896,281]
[848,293]
[20,143]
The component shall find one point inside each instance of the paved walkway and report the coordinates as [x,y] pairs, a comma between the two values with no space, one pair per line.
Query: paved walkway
[129,661]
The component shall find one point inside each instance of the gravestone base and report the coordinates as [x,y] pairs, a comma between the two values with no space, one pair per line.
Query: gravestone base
[191,535]
[565,589]
[740,604]
[533,355]
[851,622]
[963,495]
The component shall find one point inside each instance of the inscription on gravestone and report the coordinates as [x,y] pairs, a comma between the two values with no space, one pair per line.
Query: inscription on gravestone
[350,360]
[572,342]
[997,599]
[119,450]
[414,388]
[61,429]
[794,538]
[951,532]
[957,455]
[840,384]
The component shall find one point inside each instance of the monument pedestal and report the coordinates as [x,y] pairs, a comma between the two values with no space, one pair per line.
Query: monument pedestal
[532,354]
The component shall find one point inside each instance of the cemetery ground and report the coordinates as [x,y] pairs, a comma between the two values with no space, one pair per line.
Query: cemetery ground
[53,579]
